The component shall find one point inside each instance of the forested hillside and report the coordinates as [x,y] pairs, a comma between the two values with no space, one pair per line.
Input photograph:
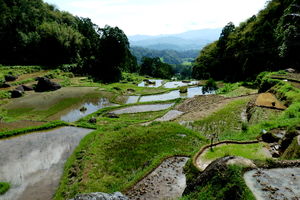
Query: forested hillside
[267,41]
[190,40]
[168,56]
[34,32]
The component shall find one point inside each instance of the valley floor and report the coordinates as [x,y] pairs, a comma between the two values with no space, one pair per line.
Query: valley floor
[132,141]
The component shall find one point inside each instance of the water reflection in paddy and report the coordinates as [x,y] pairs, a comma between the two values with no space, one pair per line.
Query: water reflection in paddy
[33,163]
[85,109]
[157,83]
[192,91]
[175,84]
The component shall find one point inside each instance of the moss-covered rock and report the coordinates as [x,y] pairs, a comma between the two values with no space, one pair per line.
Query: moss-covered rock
[293,151]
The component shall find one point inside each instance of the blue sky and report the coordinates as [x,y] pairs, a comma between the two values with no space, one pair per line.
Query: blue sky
[154,17]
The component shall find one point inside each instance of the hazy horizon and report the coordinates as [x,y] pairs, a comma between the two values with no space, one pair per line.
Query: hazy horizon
[160,17]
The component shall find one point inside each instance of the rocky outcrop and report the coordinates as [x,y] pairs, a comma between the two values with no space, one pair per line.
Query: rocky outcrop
[111,115]
[101,196]
[10,77]
[16,93]
[269,137]
[93,120]
[20,88]
[5,85]
[27,88]
[217,166]
[44,84]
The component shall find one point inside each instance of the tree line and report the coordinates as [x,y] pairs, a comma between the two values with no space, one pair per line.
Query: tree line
[265,42]
[35,33]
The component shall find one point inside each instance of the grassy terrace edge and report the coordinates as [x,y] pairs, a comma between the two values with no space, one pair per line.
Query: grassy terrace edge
[47,126]
[101,146]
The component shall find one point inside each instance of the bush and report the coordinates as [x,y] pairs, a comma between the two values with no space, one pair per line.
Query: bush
[183,89]
[210,85]
[4,187]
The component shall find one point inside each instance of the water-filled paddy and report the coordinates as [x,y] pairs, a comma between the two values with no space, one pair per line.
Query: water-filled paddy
[33,163]
[192,91]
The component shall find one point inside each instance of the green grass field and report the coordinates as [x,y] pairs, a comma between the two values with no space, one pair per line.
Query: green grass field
[250,151]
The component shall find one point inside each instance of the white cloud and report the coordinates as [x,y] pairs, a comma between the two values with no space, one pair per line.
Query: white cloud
[154,17]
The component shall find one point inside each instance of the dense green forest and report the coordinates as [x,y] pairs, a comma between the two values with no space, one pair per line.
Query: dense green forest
[168,56]
[180,61]
[267,41]
[34,32]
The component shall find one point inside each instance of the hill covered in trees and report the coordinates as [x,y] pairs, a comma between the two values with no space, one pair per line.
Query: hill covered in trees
[267,41]
[190,40]
[34,32]
[168,56]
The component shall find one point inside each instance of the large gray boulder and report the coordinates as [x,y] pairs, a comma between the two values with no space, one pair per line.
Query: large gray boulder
[101,196]
[44,84]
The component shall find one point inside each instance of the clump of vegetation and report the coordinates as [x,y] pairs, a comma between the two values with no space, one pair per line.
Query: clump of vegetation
[154,67]
[210,85]
[228,87]
[4,187]
[228,184]
[183,89]
[293,151]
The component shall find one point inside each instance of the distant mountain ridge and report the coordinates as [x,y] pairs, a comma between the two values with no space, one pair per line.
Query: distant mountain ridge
[190,40]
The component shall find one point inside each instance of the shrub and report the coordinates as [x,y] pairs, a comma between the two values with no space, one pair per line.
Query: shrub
[4,187]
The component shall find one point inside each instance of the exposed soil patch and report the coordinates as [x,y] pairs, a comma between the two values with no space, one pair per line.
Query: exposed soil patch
[202,106]
[268,100]
[165,182]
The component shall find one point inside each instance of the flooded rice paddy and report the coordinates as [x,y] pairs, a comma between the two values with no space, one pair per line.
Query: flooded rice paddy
[85,109]
[33,163]
[192,91]
[279,183]
[175,84]
[171,84]
[156,83]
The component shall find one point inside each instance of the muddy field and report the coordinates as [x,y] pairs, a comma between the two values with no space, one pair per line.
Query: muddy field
[271,184]
[202,106]
[165,182]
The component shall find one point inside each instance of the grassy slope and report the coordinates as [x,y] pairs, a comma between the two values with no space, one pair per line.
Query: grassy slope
[228,185]
[113,160]
[225,122]
[250,151]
